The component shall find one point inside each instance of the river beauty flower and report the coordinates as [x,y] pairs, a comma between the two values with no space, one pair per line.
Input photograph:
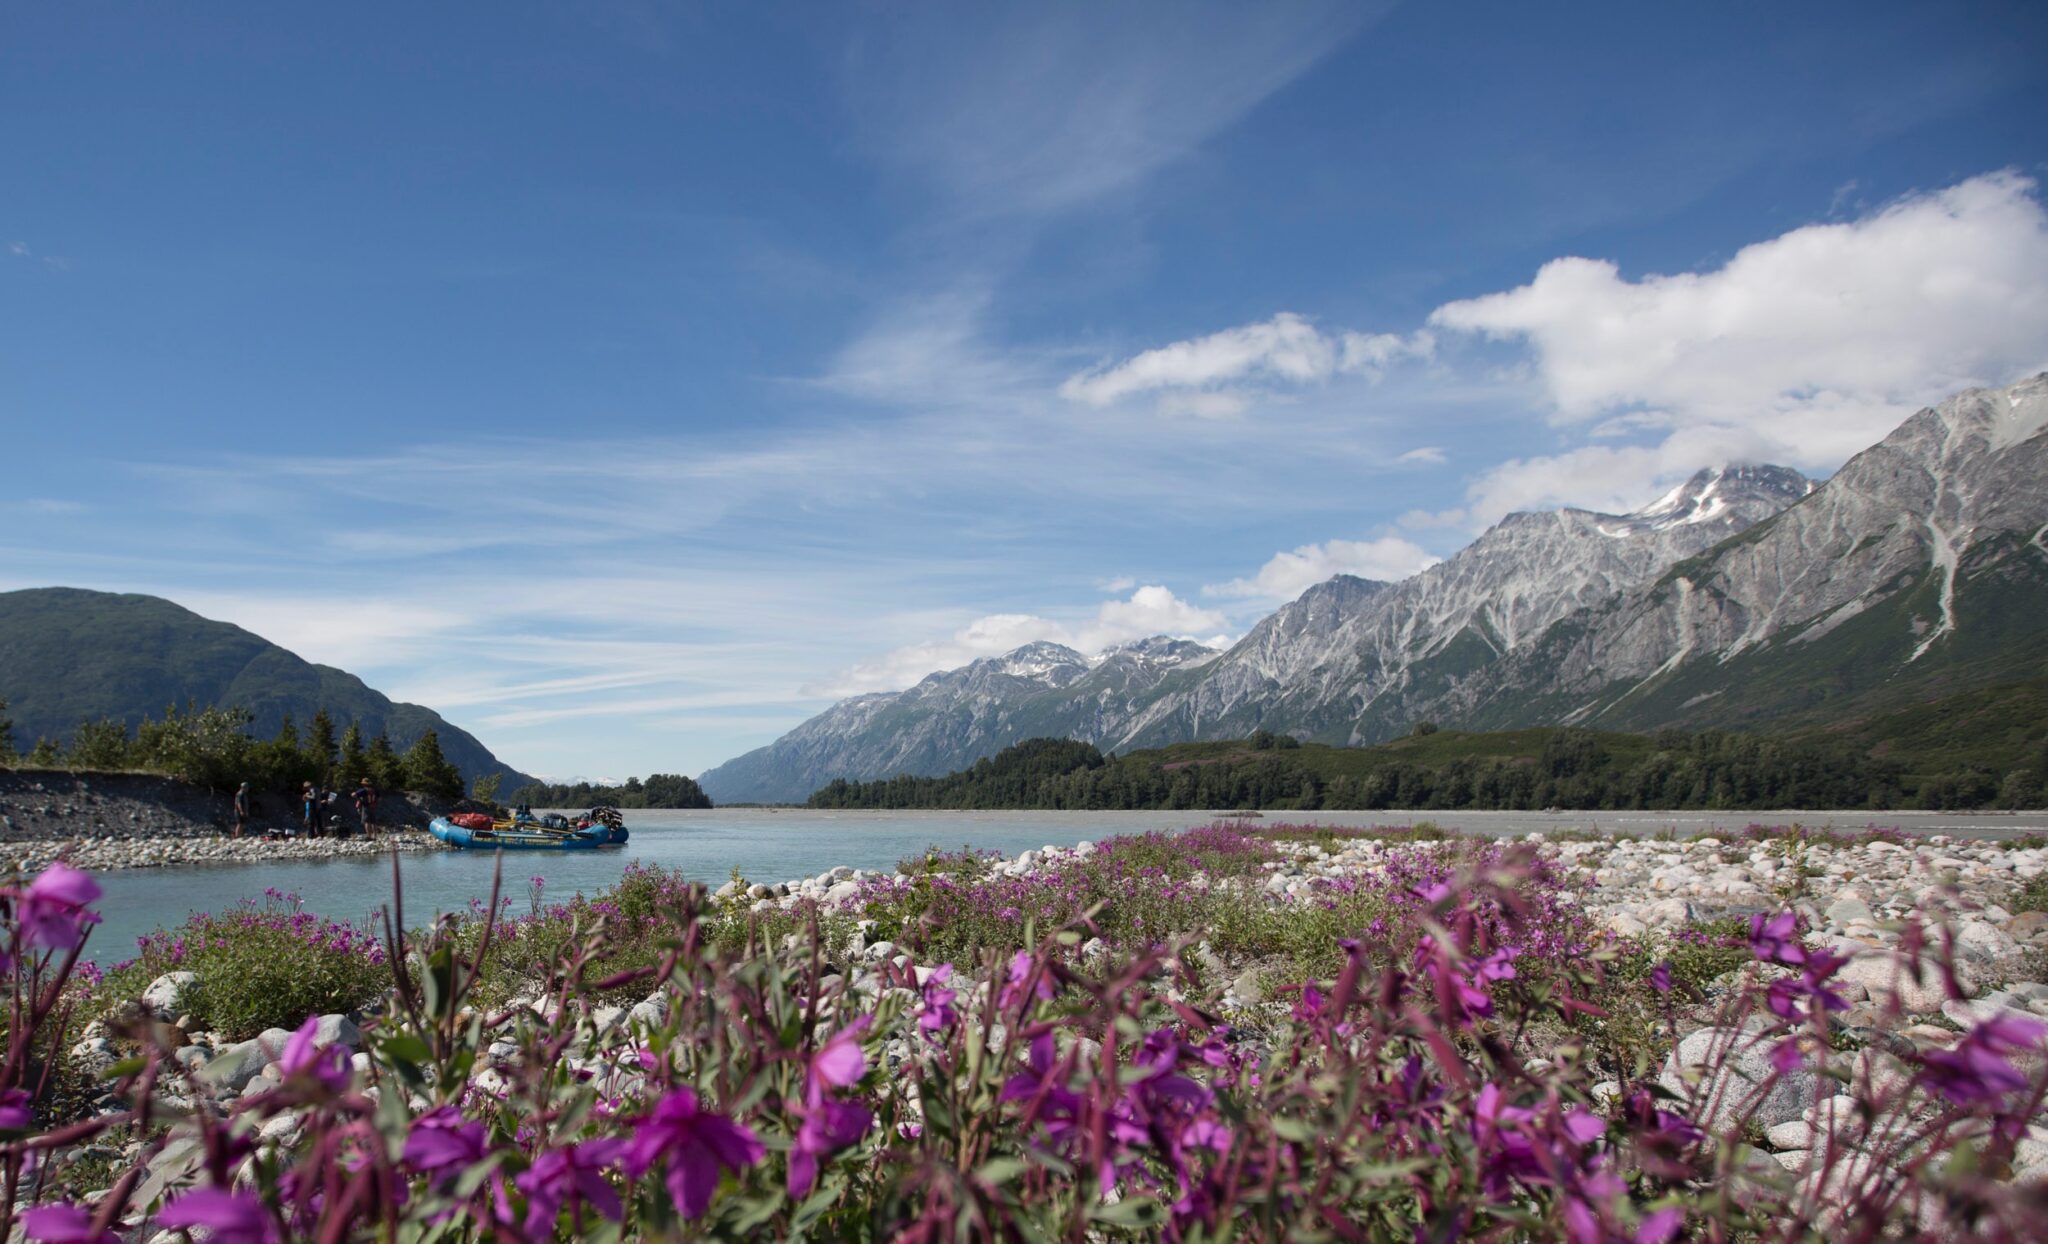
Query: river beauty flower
[15,1114]
[53,912]
[1776,940]
[695,1144]
[572,1175]
[442,1142]
[326,1065]
[1975,1071]
[935,1014]
[229,1217]
[828,1127]
[63,1223]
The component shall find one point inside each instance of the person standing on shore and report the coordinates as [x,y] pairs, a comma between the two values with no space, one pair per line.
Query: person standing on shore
[242,810]
[366,807]
[309,795]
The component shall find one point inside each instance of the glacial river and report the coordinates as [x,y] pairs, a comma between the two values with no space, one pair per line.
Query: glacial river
[771,846]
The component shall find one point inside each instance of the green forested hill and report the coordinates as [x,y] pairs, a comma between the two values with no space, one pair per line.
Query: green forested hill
[1986,748]
[69,655]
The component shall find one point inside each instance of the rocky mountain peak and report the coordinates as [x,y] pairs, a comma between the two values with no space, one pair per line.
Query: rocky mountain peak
[1159,650]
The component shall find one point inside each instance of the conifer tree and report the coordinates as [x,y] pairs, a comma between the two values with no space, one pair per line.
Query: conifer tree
[352,768]
[428,771]
[387,770]
[320,747]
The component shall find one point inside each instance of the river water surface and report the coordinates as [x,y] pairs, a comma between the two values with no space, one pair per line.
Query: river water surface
[785,845]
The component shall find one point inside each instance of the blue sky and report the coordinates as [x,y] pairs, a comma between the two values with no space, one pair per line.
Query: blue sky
[628,383]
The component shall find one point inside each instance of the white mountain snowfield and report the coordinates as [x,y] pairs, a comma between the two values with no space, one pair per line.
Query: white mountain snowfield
[1745,594]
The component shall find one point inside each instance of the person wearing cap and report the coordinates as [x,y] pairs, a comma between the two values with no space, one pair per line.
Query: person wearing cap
[309,795]
[366,807]
[241,809]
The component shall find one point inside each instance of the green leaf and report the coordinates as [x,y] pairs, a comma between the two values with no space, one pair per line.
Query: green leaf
[998,1171]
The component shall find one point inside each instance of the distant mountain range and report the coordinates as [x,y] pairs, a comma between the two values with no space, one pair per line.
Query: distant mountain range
[68,655]
[1746,595]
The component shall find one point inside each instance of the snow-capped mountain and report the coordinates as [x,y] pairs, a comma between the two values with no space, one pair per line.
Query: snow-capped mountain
[955,717]
[1921,565]
[1320,665]
[1744,594]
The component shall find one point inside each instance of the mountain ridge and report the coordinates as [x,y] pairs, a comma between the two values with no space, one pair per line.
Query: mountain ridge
[73,654]
[1746,594]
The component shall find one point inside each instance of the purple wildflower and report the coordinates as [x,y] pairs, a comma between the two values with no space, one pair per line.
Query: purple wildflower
[442,1142]
[935,1011]
[63,1223]
[326,1065]
[840,1062]
[1975,1071]
[53,910]
[229,1217]
[15,1115]
[695,1144]
[1660,977]
[572,1175]
[1777,940]
[1025,980]
[828,1127]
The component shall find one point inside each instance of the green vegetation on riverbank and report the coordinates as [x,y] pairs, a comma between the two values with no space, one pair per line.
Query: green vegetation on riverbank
[1982,750]
[211,747]
[660,790]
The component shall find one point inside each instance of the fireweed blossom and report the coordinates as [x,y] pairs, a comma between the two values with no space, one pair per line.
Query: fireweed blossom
[1976,1071]
[442,1143]
[53,909]
[327,1066]
[829,1125]
[571,1175]
[935,1014]
[695,1145]
[1025,980]
[63,1223]
[229,1217]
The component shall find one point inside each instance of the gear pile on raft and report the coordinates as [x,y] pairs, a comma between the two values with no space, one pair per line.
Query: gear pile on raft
[523,831]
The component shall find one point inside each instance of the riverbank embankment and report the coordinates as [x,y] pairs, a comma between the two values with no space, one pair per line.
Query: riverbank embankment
[102,821]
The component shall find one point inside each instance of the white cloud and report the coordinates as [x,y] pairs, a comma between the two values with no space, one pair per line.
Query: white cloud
[1286,575]
[1285,350]
[1804,348]
[1286,347]
[1431,454]
[1150,610]
[1043,108]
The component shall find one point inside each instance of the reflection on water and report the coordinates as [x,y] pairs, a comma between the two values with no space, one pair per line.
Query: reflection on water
[782,846]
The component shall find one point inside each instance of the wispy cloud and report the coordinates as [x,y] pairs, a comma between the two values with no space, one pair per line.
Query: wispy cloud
[1287,575]
[1198,374]
[1042,108]
[1148,611]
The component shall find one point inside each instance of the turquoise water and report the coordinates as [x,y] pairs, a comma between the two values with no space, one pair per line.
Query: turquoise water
[783,846]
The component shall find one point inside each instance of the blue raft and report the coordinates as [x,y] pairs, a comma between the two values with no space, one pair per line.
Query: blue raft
[525,835]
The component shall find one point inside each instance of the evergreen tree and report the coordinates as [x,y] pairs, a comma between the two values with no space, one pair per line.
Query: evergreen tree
[352,766]
[6,735]
[387,770]
[44,754]
[320,747]
[428,771]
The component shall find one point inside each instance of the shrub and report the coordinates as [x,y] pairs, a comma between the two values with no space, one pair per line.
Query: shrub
[260,966]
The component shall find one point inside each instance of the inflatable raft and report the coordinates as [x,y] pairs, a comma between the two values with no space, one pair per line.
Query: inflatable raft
[602,828]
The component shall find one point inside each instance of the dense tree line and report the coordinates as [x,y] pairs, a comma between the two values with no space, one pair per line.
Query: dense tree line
[660,790]
[1573,769]
[211,746]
